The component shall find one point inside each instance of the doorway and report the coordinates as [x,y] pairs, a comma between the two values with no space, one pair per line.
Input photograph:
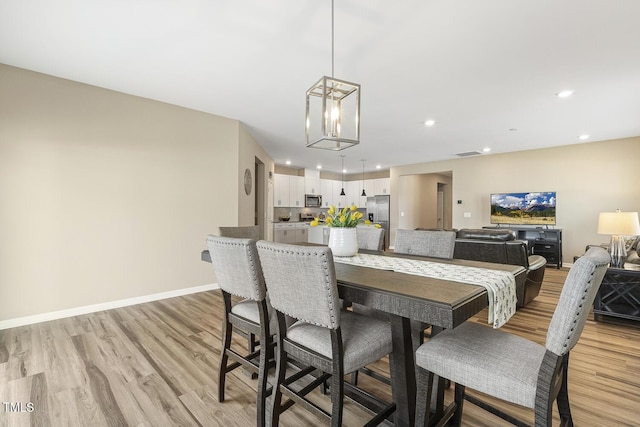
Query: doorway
[440,208]
[424,200]
[259,202]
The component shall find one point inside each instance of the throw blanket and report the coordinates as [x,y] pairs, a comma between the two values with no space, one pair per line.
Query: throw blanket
[500,285]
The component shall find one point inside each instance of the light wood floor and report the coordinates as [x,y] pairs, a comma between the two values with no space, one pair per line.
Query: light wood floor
[155,364]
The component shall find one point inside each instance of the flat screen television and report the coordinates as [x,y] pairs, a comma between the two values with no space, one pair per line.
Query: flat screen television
[524,208]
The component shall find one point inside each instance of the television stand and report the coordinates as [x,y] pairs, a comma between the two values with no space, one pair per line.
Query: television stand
[546,242]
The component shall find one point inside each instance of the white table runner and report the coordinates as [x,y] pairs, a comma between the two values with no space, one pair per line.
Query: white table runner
[500,285]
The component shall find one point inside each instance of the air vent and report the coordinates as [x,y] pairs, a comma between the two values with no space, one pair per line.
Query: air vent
[468,153]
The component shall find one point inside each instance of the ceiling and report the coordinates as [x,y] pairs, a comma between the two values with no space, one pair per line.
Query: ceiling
[486,71]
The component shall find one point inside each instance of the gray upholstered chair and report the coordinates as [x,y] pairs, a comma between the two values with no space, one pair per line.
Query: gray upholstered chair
[370,238]
[238,273]
[242,232]
[437,244]
[430,243]
[301,282]
[510,367]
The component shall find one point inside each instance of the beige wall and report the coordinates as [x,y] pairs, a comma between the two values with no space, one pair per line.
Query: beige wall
[588,178]
[418,200]
[106,196]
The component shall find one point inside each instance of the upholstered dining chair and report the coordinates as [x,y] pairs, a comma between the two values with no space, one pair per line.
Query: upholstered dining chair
[373,239]
[301,282]
[431,243]
[238,273]
[509,367]
[242,232]
[370,238]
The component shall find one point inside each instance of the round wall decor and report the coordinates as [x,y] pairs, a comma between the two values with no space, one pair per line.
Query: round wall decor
[247,181]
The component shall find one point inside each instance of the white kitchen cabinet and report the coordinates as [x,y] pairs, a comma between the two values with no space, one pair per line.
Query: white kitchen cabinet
[284,233]
[326,191]
[281,196]
[296,191]
[353,190]
[381,186]
[369,188]
[291,232]
[361,202]
[302,232]
[312,182]
[288,191]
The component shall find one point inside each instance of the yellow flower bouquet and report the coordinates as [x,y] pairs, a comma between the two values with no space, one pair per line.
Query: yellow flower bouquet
[345,218]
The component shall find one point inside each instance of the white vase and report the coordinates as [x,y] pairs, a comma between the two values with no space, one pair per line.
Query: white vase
[343,241]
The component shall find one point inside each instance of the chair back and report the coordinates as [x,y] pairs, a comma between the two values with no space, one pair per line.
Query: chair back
[437,244]
[242,232]
[516,251]
[237,266]
[576,299]
[301,281]
[370,238]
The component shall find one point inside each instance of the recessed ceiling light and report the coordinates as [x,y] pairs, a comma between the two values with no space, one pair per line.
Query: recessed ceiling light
[429,123]
[564,93]
[486,149]
[583,136]
[288,162]
[378,167]
[319,167]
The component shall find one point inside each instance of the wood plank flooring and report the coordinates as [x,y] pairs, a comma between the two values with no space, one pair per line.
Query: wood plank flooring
[155,364]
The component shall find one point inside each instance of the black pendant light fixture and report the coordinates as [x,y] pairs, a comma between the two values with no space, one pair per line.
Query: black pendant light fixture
[363,192]
[342,191]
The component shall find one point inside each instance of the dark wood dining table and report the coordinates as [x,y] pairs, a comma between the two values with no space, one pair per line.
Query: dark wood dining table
[412,300]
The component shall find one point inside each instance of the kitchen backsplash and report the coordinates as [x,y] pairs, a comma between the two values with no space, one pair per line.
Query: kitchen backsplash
[294,213]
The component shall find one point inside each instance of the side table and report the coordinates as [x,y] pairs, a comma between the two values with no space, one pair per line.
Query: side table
[619,294]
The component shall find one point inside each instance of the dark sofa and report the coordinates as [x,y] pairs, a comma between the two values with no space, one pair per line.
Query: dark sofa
[502,247]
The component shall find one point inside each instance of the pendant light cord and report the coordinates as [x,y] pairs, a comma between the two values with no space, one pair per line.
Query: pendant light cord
[332,41]
[342,193]
[364,193]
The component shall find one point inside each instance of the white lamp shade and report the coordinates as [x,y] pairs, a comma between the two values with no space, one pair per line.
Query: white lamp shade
[619,223]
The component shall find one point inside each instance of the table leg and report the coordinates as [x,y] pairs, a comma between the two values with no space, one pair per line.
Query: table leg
[403,373]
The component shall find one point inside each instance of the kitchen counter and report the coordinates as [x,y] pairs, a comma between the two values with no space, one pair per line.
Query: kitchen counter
[290,222]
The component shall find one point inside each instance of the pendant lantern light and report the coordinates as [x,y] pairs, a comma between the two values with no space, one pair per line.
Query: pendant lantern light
[333,110]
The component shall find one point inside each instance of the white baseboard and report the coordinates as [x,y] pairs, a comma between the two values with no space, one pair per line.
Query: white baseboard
[61,314]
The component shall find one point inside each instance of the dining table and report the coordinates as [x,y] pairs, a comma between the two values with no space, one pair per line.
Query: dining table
[412,301]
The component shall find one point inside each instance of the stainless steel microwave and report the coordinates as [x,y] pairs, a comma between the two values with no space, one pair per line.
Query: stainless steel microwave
[312,201]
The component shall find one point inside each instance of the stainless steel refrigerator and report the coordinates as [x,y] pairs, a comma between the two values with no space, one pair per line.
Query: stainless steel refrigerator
[378,212]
